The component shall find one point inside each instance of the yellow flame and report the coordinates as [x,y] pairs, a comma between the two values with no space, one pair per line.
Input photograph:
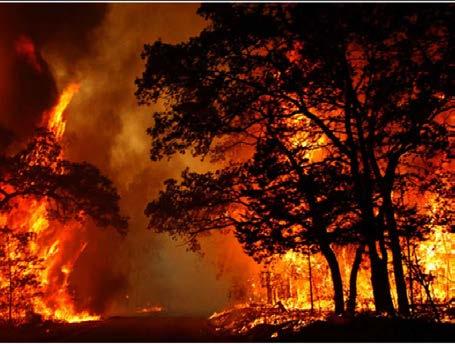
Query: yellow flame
[57,244]
[56,122]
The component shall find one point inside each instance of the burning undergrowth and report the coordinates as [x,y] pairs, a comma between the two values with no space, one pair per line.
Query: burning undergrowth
[263,322]
[244,318]
[293,291]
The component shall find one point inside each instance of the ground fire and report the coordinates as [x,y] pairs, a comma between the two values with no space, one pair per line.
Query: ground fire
[300,281]
[294,288]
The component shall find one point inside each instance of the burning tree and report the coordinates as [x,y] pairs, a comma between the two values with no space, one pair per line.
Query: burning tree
[19,269]
[44,198]
[73,189]
[320,112]
[272,208]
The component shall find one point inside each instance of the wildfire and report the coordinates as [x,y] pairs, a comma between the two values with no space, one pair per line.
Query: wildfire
[296,281]
[295,289]
[57,245]
[437,257]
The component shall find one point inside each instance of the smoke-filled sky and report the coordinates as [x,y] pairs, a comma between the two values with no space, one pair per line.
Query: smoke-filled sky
[99,46]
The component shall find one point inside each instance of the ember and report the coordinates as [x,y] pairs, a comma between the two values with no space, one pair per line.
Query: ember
[150,309]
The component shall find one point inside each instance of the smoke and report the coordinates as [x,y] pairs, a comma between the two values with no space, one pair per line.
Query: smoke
[27,86]
[99,47]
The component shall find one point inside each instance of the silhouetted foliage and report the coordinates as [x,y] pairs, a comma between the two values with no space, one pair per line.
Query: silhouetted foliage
[73,189]
[271,207]
[330,103]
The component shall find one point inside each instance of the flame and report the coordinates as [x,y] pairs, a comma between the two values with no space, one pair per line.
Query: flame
[437,257]
[286,280]
[56,122]
[58,245]
[284,284]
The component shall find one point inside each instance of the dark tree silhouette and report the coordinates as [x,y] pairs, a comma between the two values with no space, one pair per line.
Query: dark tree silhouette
[19,274]
[73,189]
[271,208]
[369,82]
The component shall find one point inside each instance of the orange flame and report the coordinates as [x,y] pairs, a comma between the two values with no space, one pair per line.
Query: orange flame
[287,279]
[58,245]
[55,121]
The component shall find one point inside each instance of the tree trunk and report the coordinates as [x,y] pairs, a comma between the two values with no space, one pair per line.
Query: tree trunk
[336,278]
[324,245]
[353,279]
[400,282]
[310,280]
[10,281]
[10,296]
[378,267]
[268,287]
[380,281]
[411,282]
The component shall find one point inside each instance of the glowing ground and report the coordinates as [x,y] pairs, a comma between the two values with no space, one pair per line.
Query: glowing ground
[162,328]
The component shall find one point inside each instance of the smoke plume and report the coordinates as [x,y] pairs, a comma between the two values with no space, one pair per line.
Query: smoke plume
[99,46]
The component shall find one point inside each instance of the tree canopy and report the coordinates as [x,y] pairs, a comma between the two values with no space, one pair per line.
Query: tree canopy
[328,106]
[73,189]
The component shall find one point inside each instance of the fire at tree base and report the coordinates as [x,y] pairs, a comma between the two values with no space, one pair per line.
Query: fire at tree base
[365,327]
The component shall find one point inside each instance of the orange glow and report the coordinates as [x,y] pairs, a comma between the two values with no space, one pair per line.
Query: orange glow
[150,309]
[285,280]
[58,245]
[437,257]
[25,48]
[55,121]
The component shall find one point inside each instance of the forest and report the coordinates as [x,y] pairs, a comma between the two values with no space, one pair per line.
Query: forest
[328,135]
